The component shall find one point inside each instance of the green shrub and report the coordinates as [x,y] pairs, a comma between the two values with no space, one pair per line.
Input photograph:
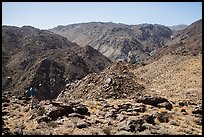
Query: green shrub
[41,111]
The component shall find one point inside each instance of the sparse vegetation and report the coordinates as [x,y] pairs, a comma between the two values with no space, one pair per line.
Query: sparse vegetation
[41,111]
[107,130]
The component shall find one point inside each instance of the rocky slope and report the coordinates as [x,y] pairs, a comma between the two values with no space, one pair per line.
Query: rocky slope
[114,82]
[131,43]
[47,59]
[86,109]
[178,66]
[185,42]
[174,76]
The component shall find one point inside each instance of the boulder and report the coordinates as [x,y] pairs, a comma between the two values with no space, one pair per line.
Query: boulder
[81,109]
[43,118]
[123,126]
[124,107]
[82,124]
[135,124]
[57,111]
[154,101]
[174,122]
[197,110]
[162,117]
[166,105]
[183,103]
[149,119]
[108,81]
[121,117]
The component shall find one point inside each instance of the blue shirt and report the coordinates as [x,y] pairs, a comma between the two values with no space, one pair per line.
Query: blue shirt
[32,92]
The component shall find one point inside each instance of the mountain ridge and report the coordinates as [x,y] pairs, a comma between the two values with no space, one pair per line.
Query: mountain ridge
[117,41]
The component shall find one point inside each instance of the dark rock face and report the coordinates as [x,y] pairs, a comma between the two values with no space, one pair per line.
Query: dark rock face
[49,79]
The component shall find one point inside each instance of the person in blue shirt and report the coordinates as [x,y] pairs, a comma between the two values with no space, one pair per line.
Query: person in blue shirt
[32,93]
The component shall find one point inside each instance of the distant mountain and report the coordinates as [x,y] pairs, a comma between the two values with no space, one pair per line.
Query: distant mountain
[47,59]
[187,41]
[183,42]
[178,27]
[131,43]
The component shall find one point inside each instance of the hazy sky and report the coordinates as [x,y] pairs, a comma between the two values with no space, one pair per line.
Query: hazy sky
[45,15]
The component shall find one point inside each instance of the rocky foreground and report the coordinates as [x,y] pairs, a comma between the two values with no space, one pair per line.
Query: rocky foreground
[145,115]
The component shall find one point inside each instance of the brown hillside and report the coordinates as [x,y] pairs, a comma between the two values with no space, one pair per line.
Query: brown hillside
[47,59]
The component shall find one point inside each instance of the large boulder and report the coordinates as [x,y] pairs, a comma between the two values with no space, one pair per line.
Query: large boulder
[151,100]
[57,111]
[135,124]
[197,109]
[166,105]
[81,109]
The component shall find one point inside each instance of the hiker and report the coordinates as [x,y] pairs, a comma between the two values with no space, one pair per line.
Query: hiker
[32,93]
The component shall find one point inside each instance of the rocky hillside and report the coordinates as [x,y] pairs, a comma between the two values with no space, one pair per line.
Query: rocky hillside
[187,41]
[178,66]
[47,59]
[184,42]
[114,82]
[131,43]
[175,77]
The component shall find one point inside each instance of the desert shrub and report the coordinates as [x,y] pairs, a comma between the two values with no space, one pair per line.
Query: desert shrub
[107,130]
[52,124]
[41,111]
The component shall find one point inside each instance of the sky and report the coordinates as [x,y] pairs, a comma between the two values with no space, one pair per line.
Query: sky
[46,15]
